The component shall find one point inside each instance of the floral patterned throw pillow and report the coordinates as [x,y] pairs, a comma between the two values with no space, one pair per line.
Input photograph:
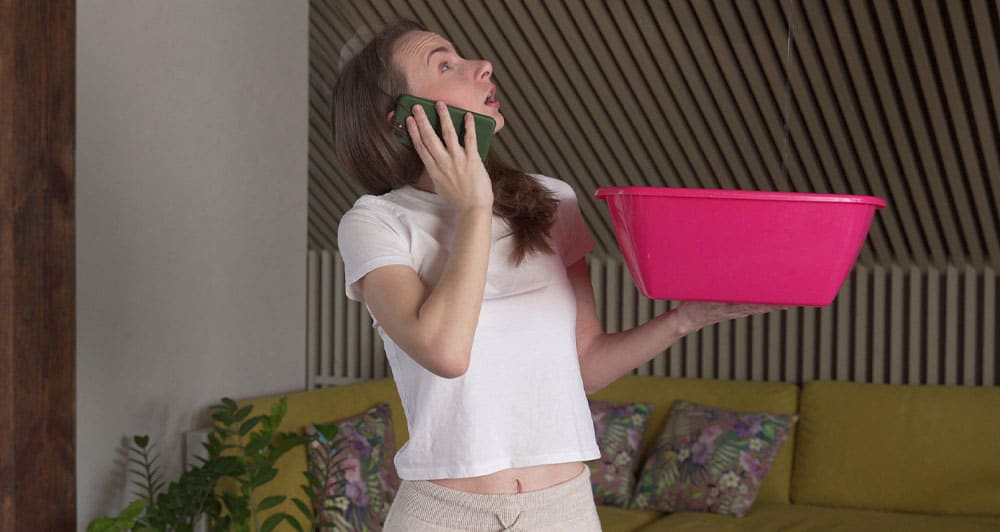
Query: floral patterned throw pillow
[352,477]
[710,460]
[619,429]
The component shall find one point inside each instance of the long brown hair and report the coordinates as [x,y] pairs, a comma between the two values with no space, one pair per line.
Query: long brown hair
[365,144]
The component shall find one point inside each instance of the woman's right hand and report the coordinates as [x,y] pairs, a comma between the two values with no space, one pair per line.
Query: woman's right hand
[458,173]
[696,315]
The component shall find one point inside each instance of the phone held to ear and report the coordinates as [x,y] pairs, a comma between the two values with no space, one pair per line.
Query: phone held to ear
[484,124]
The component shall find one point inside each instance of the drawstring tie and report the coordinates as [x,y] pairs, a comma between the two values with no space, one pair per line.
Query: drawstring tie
[505,525]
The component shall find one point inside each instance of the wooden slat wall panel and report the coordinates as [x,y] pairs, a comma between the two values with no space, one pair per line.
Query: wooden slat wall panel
[895,99]
[887,325]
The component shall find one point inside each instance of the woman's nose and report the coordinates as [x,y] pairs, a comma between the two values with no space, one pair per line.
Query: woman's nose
[485,70]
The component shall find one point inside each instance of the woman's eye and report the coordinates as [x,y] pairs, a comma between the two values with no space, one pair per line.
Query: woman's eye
[445,67]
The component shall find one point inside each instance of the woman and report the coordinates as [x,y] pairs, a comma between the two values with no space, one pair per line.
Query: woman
[475,277]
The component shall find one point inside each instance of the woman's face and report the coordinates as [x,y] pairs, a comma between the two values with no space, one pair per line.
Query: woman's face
[434,70]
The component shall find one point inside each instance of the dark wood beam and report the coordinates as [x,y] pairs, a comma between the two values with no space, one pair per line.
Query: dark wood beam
[37,265]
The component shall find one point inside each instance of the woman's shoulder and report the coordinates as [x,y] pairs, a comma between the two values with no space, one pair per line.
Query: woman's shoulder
[367,204]
[368,209]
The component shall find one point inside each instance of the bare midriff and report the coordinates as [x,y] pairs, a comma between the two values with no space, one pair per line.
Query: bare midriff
[516,480]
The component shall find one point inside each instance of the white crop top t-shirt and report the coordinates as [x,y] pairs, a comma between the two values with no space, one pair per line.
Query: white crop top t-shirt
[521,402]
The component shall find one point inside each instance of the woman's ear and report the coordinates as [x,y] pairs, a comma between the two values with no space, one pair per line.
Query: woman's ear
[389,116]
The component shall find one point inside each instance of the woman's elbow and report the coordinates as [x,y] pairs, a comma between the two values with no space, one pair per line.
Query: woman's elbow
[447,360]
[589,386]
[453,367]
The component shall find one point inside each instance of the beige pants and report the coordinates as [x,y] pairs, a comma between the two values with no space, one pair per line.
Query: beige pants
[423,506]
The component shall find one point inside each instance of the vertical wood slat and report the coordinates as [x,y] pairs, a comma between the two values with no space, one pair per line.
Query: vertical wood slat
[725,367]
[351,358]
[990,309]
[968,337]
[861,341]
[842,353]
[877,326]
[327,316]
[774,347]
[809,342]
[824,362]
[896,325]
[951,316]
[660,362]
[932,351]
[916,329]
[339,316]
[313,295]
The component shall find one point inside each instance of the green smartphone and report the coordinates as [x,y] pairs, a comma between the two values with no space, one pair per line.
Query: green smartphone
[484,124]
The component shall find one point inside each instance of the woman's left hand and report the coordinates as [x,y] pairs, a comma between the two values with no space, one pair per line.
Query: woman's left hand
[695,315]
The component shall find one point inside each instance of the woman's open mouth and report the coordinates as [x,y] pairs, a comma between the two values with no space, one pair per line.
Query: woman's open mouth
[491,99]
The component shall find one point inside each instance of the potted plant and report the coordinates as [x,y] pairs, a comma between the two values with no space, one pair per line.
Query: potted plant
[241,455]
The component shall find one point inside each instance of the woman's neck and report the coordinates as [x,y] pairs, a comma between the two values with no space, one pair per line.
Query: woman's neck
[425,183]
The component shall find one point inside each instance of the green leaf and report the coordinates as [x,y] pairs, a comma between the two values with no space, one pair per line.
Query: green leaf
[256,445]
[272,522]
[294,522]
[141,441]
[271,502]
[263,476]
[134,510]
[328,430]
[306,511]
[314,481]
[242,413]
[282,446]
[249,424]
[278,410]
[101,524]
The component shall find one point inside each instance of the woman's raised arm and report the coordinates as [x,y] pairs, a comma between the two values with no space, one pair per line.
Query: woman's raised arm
[605,357]
[436,326]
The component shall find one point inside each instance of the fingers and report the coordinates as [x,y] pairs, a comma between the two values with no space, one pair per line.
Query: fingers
[413,128]
[471,144]
[425,139]
[447,127]
[706,313]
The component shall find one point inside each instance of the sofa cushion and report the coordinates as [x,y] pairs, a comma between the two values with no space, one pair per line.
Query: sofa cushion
[767,517]
[353,476]
[615,519]
[323,404]
[710,459]
[909,448]
[619,428]
[661,392]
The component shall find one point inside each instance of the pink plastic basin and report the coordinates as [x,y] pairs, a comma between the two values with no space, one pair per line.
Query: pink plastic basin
[739,246]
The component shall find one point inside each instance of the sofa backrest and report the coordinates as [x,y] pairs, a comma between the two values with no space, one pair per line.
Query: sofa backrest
[320,406]
[743,396]
[925,449]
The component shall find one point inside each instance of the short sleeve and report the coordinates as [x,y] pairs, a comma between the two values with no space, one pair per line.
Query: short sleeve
[369,240]
[573,239]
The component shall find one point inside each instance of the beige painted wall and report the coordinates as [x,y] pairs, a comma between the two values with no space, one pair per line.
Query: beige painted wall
[191,220]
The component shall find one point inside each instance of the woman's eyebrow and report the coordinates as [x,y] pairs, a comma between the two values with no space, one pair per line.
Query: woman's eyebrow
[446,49]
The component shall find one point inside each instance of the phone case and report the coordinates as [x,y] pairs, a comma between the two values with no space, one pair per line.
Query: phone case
[484,124]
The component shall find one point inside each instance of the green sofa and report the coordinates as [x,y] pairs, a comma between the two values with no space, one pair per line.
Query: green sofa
[862,456]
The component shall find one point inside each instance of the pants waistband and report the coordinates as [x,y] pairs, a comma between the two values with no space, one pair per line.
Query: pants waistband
[449,507]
